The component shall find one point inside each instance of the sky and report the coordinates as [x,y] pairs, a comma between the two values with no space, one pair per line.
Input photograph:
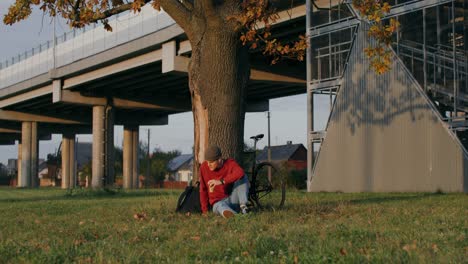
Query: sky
[288,114]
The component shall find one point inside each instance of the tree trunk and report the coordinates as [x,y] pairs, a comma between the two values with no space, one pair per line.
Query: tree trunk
[218,75]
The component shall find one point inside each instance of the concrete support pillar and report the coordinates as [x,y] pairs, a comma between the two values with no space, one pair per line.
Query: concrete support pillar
[103,146]
[109,157]
[72,173]
[34,156]
[130,157]
[127,158]
[29,155]
[68,161]
[20,152]
[135,161]
[98,147]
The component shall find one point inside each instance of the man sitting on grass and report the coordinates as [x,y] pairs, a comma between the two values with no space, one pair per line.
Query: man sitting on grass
[223,184]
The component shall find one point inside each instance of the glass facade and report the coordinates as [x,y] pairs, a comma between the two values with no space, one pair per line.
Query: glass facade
[431,42]
[428,41]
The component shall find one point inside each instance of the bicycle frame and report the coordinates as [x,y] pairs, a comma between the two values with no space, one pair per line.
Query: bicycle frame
[253,189]
[261,187]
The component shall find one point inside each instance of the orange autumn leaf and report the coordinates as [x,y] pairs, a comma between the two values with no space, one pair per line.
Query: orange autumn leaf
[343,252]
[375,12]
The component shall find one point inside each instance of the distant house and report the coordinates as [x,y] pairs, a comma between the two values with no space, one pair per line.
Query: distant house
[4,176]
[83,156]
[294,155]
[51,174]
[180,168]
[12,166]
[3,168]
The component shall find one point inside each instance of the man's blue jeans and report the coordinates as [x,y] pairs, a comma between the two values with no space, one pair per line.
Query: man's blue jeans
[239,195]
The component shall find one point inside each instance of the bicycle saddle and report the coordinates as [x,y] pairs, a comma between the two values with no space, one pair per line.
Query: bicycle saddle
[257,137]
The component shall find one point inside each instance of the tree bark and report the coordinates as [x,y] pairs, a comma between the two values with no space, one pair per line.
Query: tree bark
[218,74]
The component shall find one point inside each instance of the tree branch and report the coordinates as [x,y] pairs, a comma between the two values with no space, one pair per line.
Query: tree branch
[178,11]
[188,4]
[208,7]
[118,9]
[76,10]
[102,16]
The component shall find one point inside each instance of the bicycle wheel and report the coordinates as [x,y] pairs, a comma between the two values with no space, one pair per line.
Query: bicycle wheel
[270,191]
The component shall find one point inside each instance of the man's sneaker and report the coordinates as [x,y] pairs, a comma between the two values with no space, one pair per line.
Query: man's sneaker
[227,214]
[244,209]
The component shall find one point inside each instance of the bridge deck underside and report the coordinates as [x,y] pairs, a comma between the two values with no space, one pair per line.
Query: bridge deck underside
[144,83]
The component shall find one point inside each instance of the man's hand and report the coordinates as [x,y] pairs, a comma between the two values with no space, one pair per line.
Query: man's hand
[213,183]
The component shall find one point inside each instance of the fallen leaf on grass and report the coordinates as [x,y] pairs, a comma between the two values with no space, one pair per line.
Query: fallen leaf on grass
[245,253]
[82,222]
[46,248]
[435,248]
[364,252]
[195,238]
[135,239]
[343,252]
[79,242]
[301,220]
[409,247]
[406,248]
[83,260]
[37,221]
[140,216]
[43,246]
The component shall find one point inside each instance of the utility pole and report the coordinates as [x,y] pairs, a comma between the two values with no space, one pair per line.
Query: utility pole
[75,165]
[148,159]
[54,43]
[269,146]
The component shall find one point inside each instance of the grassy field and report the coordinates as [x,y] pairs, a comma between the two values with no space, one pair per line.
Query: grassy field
[56,226]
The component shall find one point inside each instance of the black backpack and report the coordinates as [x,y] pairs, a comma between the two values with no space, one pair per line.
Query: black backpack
[189,200]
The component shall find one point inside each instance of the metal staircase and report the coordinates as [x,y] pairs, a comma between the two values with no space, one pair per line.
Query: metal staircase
[444,78]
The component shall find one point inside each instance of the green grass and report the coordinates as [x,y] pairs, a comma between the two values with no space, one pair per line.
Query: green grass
[56,226]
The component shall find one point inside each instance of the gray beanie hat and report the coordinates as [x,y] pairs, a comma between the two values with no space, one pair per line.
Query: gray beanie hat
[212,153]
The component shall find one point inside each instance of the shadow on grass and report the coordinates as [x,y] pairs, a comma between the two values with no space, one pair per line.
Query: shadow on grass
[394,198]
[86,194]
[326,206]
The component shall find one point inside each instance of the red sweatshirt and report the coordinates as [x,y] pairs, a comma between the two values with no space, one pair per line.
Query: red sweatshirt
[230,172]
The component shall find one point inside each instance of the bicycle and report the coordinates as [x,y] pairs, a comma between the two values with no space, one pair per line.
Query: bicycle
[267,190]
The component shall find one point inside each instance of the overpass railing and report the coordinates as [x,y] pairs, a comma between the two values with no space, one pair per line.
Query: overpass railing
[81,43]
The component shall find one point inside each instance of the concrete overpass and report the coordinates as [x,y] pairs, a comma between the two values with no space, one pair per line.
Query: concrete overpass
[90,80]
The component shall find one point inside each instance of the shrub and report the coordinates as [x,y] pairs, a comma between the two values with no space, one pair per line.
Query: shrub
[297,179]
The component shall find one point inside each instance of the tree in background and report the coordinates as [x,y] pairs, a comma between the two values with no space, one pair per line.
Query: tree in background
[84,174]
[158,161]
[4,176]
[54,166]
[118,163]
